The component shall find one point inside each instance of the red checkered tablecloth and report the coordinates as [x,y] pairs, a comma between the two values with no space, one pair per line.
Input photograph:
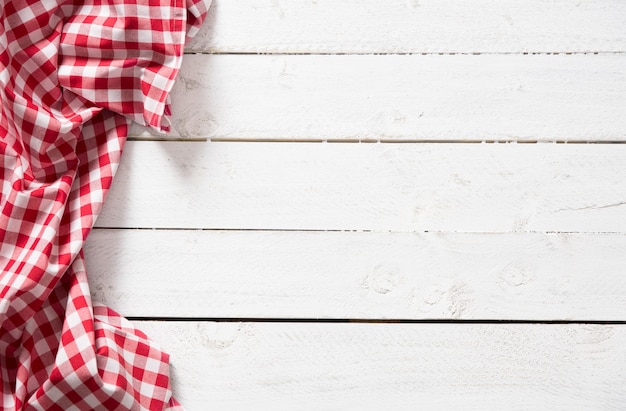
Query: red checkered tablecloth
[73,75]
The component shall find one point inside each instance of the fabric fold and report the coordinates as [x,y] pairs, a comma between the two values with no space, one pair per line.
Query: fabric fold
[73,75]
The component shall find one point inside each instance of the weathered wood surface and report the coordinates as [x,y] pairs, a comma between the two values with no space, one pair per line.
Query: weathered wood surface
[420,230]
[283,366]
[401,97]
[412,26]
[381,187]
[256,274]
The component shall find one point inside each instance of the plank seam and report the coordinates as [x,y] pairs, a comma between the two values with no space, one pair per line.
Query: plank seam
[372,321]
[289,230]
[368,141]
[444,53]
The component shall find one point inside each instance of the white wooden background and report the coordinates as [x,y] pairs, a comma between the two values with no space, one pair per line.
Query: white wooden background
[347,217]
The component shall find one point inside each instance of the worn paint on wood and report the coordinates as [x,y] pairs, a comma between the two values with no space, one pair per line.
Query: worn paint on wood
[273,274]
[416,231]
[381,187]
[401,97]
[412,26]
[283,366]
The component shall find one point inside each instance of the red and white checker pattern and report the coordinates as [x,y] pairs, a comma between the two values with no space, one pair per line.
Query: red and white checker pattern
[73,75]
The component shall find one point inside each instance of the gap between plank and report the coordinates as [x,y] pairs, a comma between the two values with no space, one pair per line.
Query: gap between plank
[366,141]
[369,321]
[313,230]
[443,53]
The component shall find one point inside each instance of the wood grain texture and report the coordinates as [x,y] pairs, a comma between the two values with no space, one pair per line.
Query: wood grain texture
[412,26]
[232,274]
[418,231]
[400,97]
[269,366]
[380,187]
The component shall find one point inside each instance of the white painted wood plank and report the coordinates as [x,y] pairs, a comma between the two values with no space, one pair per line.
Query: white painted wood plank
[230,274]
[412,26]
[269,366]
[381,187]
[401,97]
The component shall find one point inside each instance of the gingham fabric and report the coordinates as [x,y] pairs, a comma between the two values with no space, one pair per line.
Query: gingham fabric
[73,75]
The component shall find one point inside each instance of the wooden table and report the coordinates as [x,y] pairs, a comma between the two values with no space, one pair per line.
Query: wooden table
[384,205]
